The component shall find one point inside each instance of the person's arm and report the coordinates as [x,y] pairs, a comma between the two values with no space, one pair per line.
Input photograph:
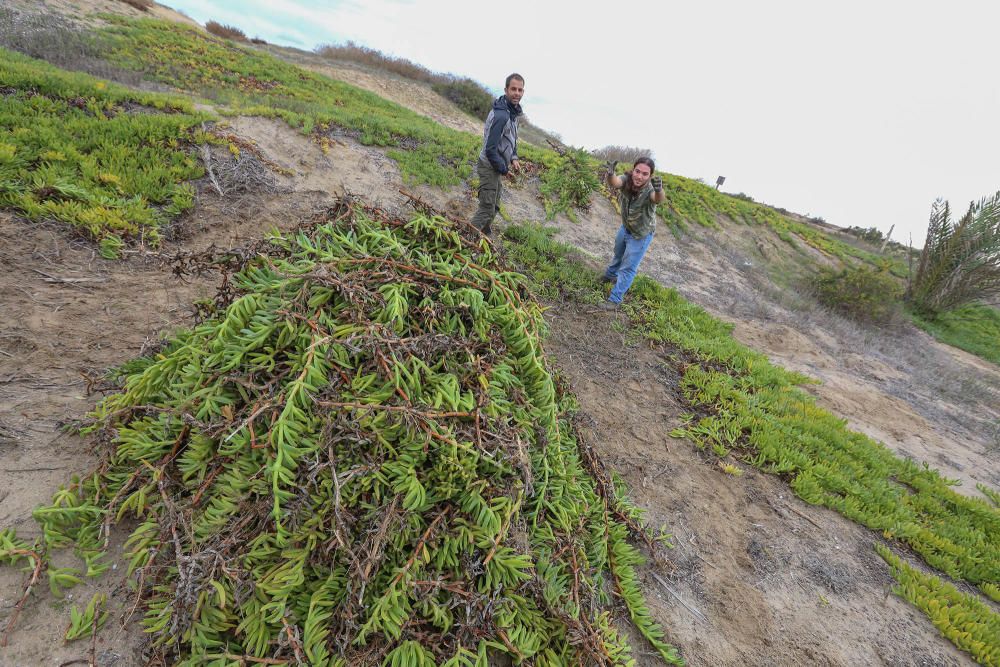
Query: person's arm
[613,180]
[659,196]
[496,131]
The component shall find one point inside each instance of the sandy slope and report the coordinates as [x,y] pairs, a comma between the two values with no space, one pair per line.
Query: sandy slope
[83,11]
[921,398]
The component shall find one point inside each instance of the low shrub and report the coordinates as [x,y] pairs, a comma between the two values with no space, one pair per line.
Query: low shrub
[567,183]
[253,82]
[368,56]
[860,293]
[624,154]
[870,234]
[48,37]
[225,31]
[141,5]
[468,95]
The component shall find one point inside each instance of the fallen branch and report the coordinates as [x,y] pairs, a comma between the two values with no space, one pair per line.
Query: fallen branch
[39,565]
[49,278]
[700,616]
[803,515]
[206,157]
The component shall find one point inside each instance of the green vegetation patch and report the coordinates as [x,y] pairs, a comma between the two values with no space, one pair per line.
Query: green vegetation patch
[110,162]
[994,496]
[568,181]
[744,406]
[973,328]
[689,200]
[255,83]
[359,457]
[468,95]
[968,622]
[861,293]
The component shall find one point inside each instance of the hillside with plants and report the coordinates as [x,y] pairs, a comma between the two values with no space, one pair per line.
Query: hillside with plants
[270,400]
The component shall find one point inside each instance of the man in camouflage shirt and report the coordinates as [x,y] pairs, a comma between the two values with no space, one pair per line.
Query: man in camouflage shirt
[639,191]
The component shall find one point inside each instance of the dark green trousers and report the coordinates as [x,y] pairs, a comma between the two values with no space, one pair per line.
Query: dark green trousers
[489,195]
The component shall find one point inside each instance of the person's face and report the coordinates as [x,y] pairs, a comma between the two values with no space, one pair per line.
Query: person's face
[515,91]
[640,174]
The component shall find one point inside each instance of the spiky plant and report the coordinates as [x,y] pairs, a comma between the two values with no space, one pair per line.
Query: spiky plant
[960,263]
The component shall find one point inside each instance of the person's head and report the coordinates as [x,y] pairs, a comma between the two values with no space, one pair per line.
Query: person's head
[513,88]
[642,171]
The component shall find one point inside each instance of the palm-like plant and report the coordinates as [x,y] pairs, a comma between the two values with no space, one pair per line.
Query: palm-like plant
[960,263]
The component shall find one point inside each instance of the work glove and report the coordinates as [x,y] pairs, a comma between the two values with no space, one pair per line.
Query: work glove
[657,183]
[609,167]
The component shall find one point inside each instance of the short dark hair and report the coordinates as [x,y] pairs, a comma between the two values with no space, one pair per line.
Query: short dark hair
[648,161]
[515,75]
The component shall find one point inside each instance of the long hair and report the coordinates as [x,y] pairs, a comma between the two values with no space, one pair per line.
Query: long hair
[648,161]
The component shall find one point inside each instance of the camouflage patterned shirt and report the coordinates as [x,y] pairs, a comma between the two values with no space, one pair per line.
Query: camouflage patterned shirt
[637,208]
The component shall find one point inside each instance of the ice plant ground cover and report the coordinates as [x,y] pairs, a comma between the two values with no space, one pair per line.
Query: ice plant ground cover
[110,162]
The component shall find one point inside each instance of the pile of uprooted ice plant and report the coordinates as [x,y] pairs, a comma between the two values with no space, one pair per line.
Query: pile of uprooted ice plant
[358,456]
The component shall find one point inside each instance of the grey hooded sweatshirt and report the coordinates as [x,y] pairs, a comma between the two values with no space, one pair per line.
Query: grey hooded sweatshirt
[500,134]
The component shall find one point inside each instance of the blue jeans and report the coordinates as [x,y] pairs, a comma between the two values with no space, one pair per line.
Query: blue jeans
[628,253]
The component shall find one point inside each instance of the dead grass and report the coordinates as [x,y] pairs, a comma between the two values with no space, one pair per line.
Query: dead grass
[225,31]
[238,180]
[623,154]
[364,55]
[52,38]
[141,5]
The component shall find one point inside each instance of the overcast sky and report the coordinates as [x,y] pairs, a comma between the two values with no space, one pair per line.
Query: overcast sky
[858,112]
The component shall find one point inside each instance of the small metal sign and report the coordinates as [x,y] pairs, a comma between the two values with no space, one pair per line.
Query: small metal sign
[719,181]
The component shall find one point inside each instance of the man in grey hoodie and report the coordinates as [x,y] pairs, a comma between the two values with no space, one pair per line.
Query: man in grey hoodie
[499,154]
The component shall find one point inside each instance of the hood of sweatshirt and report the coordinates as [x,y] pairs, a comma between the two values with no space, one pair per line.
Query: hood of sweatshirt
[503,104]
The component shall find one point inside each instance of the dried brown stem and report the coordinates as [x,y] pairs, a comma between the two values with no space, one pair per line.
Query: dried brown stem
[93,639]
[244,659]
[208,482]
[36,573]
[419,547]
[393,408]
[293,641]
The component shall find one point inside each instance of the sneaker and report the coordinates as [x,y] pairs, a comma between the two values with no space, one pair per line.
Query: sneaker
[609,306]
[608,279]
[488,230]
